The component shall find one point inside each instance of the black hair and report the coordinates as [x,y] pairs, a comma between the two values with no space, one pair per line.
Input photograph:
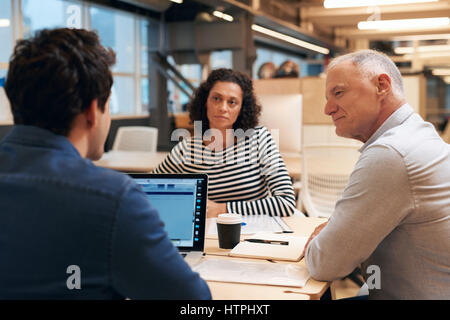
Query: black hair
[55,75]
[250,110]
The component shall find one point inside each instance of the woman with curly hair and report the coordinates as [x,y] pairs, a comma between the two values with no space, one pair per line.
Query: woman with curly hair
[246,172]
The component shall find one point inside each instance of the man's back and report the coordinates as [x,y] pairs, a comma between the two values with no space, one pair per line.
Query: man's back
[58,210]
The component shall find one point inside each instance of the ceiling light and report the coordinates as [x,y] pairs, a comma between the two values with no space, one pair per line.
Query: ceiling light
[367,3]
[428,55]
[4,23]
[222,15]
[441,72]
[290,39]
[434,36]
[403,24]
[432,48]
[177,1]
[404,50]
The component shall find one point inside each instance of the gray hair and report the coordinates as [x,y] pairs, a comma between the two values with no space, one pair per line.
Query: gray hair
[371,63]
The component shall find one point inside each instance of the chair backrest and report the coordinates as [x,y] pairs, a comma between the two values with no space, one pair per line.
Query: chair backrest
[282,116]
[136,138]
[317,134]
[326,169]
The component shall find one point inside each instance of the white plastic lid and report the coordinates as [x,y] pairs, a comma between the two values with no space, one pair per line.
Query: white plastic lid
[229,218]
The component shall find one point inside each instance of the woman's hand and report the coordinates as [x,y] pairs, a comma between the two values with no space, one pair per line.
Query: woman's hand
[213,209]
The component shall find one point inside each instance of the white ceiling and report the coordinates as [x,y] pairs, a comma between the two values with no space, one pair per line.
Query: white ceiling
[342,22]
[339,26]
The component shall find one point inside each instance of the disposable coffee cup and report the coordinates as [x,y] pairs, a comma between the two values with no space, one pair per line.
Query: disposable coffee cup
[229,229]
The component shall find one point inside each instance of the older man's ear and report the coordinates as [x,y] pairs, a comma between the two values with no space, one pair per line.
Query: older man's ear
[384,84]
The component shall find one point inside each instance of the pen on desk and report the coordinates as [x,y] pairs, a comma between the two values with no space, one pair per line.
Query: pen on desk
[279,242]
[284,227]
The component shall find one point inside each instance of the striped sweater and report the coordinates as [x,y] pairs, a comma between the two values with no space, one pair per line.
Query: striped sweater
[250,175]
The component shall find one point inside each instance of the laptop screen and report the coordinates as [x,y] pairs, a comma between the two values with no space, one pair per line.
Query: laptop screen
[181,203]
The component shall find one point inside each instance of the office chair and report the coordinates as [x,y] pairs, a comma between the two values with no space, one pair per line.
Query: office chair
[326,169]
[136,138]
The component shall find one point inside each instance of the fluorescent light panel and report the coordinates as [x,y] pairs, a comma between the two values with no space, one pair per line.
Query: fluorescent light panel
[428,55]
[404,24]
[432,48]
[290,39]
[222,15]
[441,72]
[434,36]
[177,1]
[366,3]
[4,23]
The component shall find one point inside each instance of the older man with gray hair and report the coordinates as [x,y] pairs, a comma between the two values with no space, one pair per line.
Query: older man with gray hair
[394,215]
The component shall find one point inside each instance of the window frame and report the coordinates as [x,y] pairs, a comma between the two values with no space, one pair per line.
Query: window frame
[137,75]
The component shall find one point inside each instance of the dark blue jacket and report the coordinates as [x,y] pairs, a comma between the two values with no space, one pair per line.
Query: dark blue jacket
[59,210]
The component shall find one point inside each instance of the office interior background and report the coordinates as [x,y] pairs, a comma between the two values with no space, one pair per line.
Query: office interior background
[165,48]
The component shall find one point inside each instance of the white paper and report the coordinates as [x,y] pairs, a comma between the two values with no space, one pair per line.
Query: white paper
[291,252]
[280,274]
[253,224]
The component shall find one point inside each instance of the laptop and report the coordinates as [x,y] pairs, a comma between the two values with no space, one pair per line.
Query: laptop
[181,203]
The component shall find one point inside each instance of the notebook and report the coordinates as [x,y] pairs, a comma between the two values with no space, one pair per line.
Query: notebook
[181,203]
[231,270]
[271,246]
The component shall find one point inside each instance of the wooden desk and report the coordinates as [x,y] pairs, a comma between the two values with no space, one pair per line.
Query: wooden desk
[313,289]
[244,291]
[131,161]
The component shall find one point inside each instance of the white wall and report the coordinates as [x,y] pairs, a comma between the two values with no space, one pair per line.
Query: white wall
[411,85]
[282,116]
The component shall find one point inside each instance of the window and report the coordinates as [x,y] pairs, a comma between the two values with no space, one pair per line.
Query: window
[116,30]
[143,28]
[221,59]
[5,33]
[277,57]
[145,98]
[5,52]
[125,33]
[193,73]
[122,102]
[177,98]
[57,13]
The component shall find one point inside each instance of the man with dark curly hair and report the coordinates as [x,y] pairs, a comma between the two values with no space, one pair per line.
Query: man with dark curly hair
[69,229]
[246,172]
